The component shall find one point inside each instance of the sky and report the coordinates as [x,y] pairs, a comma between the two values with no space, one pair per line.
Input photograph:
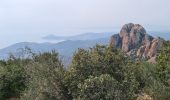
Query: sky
[30,20]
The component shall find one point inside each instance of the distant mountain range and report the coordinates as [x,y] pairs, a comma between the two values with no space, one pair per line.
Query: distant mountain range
[85,36]
[65,48]
[165,35]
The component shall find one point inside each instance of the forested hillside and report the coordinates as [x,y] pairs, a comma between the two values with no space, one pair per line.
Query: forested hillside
[101,72]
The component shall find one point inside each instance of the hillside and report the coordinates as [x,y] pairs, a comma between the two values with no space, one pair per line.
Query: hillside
[65,48]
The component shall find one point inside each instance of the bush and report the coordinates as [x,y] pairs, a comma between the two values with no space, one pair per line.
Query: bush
[103,87]
[46,74]
[98,61]
[12,79]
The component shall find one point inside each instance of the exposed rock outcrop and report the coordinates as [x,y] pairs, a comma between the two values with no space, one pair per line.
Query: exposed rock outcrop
[144,96]
[134,40]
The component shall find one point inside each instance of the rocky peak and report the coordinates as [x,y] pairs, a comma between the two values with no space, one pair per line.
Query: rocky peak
[134,40]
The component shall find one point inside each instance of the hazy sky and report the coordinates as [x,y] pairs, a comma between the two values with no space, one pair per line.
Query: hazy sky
[29,20]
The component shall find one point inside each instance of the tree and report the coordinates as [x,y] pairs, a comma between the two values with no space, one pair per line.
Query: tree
[46,74]
[163,63]
[97,61]
[12,78]
[163,68]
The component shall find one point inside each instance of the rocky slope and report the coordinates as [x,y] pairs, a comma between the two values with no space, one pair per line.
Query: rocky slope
[134,40]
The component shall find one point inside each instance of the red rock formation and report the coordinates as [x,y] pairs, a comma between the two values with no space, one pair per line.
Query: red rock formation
[134,40]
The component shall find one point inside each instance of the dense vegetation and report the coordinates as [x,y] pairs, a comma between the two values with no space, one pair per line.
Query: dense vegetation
[101,72]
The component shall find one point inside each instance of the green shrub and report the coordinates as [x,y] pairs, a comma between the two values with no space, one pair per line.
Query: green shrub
[12,79]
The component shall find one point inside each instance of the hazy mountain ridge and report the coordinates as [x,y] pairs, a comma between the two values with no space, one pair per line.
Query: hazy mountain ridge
[165,35]
[85,36]
[65,48]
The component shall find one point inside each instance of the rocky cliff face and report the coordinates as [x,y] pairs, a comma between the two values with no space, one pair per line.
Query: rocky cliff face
[134,40]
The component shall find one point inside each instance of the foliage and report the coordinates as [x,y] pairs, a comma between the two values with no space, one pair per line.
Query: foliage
[163,68]
[46,74]
[98,61]
[99,73]
[12,78]
[103,87]
[164,63]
